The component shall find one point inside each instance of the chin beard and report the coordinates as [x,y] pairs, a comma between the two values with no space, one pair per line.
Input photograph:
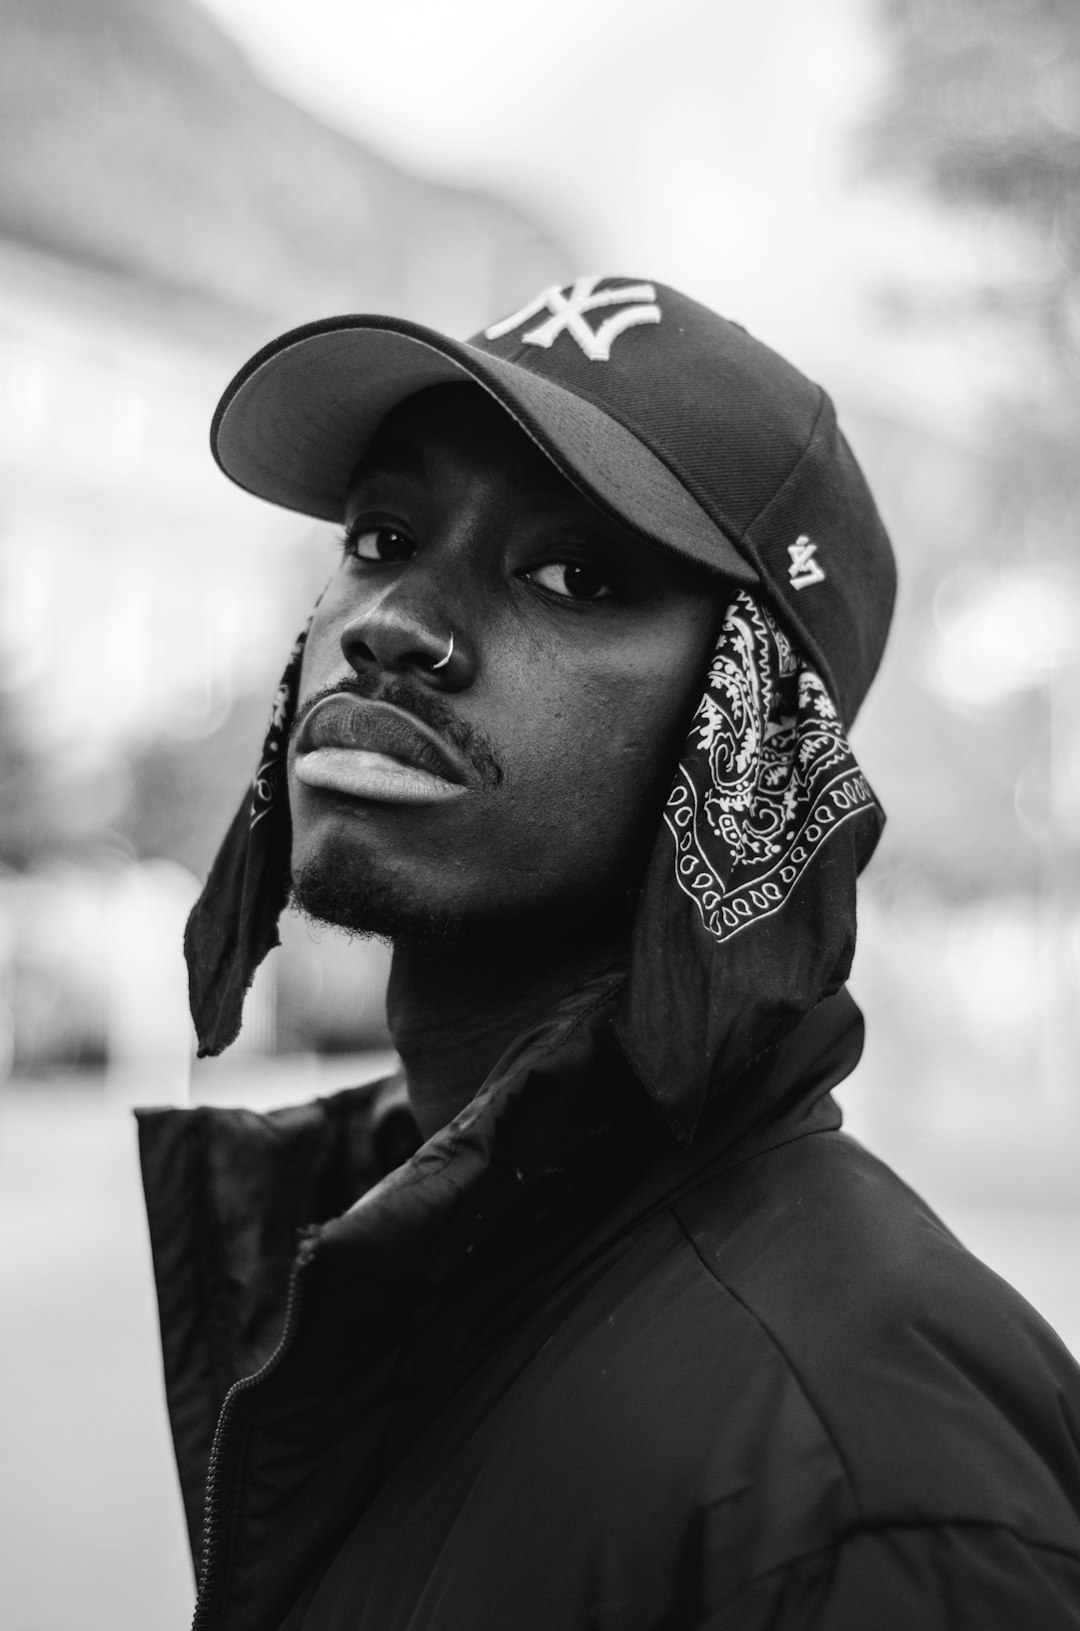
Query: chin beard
[369,906]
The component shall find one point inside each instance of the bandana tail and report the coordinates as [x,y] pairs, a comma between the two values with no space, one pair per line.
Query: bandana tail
[234,922]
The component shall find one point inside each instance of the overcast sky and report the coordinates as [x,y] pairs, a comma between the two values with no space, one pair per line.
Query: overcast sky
[709,143]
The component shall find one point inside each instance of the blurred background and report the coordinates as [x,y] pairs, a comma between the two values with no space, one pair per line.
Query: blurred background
[887,191]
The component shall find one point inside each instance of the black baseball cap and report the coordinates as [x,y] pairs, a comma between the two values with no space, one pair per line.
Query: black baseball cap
[669,417]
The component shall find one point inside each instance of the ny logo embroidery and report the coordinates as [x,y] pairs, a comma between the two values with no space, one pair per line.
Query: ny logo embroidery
[568,312]
[804,570]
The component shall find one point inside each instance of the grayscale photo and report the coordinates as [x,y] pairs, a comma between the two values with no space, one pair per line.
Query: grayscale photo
[540,815]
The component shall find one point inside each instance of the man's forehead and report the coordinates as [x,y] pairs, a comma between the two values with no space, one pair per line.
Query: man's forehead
[457,424]
[393,456]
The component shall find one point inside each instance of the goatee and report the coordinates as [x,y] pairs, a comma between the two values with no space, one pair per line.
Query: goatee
[326,892]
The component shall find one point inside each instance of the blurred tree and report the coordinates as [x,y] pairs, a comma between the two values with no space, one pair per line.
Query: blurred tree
[25,830]
[984,103]
[981,108]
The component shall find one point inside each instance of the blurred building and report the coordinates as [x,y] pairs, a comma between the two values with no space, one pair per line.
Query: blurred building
[162,214]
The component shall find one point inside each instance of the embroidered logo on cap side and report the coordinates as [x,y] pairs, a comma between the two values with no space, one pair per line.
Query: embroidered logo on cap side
[804,570]
[567,312]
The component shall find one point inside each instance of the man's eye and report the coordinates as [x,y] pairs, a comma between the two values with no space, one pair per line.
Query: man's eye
[570,580]
[378,544]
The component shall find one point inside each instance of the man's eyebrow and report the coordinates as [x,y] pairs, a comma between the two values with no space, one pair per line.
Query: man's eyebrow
[402,458]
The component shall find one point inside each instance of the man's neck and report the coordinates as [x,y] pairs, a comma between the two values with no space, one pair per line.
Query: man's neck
[455,1007]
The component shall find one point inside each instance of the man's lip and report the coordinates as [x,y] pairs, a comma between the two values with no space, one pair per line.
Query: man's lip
[348,721]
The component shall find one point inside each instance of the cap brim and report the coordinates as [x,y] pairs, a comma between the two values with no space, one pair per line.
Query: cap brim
[293,424]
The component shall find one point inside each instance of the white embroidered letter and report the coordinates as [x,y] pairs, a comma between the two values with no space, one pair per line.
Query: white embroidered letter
[568,312]
[804,570]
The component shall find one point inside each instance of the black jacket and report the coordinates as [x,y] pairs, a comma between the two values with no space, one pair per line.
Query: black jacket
[546,1376]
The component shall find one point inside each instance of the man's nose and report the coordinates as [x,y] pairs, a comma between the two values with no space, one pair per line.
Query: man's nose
[399,636]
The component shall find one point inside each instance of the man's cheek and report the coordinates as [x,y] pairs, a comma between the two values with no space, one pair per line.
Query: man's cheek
[321,658]
[594,802]
[609,748]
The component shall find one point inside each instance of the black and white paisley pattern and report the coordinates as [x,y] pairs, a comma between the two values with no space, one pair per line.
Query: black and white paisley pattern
[766,778]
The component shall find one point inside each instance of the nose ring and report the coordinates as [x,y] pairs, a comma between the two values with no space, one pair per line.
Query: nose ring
[449,653]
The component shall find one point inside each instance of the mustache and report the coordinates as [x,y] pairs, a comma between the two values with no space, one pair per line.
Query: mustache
[469,740]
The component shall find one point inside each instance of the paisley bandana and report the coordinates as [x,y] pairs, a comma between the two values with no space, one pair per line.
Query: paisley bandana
[747,916]
[747,919]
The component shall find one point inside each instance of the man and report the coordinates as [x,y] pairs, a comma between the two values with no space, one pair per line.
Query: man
[597,1319]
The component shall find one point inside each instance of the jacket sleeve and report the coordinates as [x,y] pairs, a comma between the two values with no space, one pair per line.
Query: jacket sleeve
[928,1577]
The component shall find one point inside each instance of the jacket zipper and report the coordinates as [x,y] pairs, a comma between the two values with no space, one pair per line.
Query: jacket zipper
[215,1555]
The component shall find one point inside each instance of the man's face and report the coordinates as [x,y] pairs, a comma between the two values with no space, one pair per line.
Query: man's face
[525,775]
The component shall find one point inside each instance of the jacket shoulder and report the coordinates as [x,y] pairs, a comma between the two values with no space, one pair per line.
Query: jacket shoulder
[945,1396]
[725,1405]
